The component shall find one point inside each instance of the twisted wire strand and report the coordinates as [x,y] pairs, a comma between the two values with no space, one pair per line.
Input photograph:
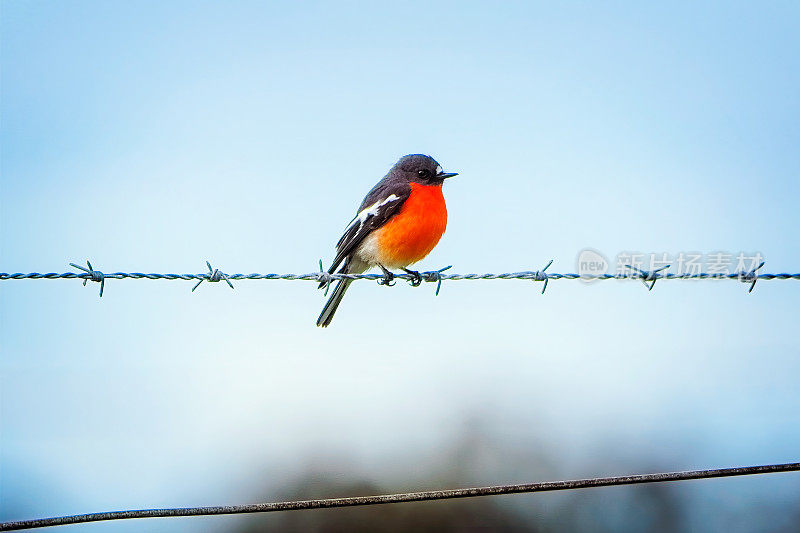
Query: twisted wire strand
[215,275]
[546,486]
[315,276]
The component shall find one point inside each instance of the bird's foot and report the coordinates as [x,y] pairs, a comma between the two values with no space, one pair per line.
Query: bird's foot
[387,277]
[416,277]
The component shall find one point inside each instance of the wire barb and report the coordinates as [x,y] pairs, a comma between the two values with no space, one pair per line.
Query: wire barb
[649,275]
[214,275]
[542,275]
[91,274]
[750,277]
[435,275]
[324,278]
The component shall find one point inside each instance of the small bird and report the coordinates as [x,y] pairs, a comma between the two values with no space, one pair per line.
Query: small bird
[398,223]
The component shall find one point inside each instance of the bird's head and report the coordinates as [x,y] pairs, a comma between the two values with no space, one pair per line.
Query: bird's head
[422,169]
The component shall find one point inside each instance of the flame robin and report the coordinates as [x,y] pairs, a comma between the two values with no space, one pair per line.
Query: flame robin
[398,223]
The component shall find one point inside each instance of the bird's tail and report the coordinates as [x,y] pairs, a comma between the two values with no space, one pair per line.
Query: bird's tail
[326,316]
[352,265]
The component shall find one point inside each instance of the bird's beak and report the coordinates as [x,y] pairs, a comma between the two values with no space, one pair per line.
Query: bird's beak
[445,175]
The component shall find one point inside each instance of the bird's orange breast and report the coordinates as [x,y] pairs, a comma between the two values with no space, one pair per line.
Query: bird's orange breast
[412,233]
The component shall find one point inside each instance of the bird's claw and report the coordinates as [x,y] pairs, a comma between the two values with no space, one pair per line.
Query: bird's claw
[387,277]
[416,277]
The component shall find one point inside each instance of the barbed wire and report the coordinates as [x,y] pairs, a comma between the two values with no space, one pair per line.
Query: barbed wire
[648,277]
[546,486]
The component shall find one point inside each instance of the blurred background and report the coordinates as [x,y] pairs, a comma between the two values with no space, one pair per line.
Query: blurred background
[151,136]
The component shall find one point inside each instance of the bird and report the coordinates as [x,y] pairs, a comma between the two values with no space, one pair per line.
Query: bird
[399,222]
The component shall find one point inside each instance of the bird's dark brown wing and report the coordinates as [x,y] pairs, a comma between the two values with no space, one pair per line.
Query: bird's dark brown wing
[379,205]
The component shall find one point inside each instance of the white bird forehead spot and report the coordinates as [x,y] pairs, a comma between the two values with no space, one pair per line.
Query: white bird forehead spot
[439,169]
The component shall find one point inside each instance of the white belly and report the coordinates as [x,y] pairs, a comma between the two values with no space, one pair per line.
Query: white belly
[368,250]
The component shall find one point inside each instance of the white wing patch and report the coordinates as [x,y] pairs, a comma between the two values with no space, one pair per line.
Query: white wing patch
[372,210]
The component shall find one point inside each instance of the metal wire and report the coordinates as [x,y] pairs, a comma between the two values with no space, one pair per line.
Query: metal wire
[436,276]
[546,486]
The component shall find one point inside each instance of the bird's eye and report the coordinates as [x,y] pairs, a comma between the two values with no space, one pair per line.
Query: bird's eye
[424,173]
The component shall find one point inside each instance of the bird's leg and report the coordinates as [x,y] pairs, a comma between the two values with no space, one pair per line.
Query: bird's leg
[416,277]
[387,277]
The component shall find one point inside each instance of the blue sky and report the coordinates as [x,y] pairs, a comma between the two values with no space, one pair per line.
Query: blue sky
[152,136]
